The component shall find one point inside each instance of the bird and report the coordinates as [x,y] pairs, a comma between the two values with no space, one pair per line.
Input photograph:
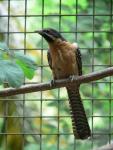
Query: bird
[65,61]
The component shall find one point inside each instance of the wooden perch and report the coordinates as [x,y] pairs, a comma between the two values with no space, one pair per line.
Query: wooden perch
[58,83]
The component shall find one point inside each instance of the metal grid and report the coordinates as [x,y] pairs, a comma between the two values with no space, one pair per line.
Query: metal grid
[92,67]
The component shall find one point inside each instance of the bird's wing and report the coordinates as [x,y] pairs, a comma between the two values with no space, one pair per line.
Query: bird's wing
[79,61]
[49,59]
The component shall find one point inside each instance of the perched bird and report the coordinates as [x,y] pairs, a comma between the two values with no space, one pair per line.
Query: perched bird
[64,60]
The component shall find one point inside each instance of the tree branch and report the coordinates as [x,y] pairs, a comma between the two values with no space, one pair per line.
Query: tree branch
[58,83]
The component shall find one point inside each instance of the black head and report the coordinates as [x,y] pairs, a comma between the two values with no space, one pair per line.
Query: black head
[50,35]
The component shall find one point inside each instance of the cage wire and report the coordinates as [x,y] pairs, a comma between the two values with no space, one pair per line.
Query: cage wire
[41,120]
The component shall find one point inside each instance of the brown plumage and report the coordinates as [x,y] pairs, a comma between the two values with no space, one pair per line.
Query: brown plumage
[65,60]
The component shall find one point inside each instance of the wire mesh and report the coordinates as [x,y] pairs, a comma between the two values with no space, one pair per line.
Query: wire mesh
[42,119]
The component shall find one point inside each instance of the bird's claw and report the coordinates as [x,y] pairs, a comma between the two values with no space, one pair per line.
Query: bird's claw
[52,82]
[72,77]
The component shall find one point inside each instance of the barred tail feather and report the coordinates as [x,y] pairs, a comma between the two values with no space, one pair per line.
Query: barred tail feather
[80,124]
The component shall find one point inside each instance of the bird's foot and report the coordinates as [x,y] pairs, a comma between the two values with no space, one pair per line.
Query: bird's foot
[72,77]
[52,82]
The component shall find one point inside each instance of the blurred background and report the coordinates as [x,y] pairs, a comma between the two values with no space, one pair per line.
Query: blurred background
[41,120]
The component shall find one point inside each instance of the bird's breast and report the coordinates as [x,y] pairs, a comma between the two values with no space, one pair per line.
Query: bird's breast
[63,61]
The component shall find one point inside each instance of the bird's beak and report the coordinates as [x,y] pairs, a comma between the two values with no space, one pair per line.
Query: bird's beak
[39,32]
[45,35]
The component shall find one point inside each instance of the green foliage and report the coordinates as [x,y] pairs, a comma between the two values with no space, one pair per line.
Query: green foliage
[1,0]
[32,146]
[3,47]
[14,66]
[83,4]
[27,64]
[11,73]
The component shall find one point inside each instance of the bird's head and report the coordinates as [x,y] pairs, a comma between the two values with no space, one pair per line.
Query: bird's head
[50,35]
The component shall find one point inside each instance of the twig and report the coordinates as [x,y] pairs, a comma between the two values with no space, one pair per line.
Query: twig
[58,83]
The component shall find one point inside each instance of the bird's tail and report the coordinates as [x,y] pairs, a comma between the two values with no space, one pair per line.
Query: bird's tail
[80,124]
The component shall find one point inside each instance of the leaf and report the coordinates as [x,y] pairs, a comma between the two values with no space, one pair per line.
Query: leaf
[11,73]
[26,63]
[69,3]
[83,4]
[1,55]
[5,53]
[3,46]
[28,60]
[32,146]
[28,72]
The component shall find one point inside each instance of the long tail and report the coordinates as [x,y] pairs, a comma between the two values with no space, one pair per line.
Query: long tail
[80,124]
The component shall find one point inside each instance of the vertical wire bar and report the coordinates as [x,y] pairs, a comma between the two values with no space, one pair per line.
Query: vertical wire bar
[76,19]
[110,109]
[41,78]
[25,22]
[76,1]
[58,135]
[8,22]
[6,102]
[93,69]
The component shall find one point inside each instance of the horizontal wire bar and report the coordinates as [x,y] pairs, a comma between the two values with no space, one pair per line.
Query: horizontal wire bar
[85,31]
[84,65]
[82,48]
[55,15]
[55,117]
[56,100]
[26,133]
